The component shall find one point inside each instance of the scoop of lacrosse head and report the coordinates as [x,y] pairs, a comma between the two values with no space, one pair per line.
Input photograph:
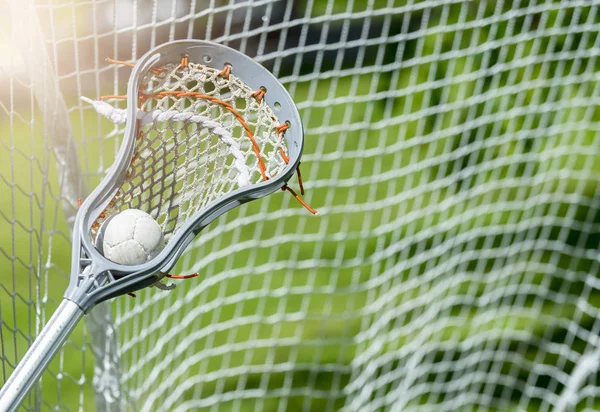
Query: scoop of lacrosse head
[207,129]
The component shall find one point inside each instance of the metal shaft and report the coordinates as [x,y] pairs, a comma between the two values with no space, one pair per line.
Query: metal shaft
[40,354]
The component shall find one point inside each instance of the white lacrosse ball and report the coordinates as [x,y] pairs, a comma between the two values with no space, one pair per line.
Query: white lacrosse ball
[131,237]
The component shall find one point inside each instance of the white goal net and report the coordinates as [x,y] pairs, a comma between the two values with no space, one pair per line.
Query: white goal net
[452,151]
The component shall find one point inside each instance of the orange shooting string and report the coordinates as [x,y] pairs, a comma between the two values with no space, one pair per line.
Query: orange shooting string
[300,180]
[193,275]
[184,61]
[259,94]
[225,72]
[155,71]
[280,129]
[299,199]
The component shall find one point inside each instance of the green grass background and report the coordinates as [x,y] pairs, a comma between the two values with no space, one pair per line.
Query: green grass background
[467,99]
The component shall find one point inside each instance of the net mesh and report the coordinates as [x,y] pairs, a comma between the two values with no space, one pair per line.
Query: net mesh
[452,149]
[204,134]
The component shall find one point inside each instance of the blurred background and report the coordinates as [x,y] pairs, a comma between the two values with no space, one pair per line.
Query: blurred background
[452,150]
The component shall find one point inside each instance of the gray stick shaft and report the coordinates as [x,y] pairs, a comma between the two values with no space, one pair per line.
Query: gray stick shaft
[39,355]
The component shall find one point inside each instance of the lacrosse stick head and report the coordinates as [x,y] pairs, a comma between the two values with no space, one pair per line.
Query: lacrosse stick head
[207,129]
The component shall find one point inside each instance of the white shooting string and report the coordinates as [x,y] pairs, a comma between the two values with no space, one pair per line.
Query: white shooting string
[119,116]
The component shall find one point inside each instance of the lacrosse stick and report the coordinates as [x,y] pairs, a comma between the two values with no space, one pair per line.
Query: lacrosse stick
[207,129]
